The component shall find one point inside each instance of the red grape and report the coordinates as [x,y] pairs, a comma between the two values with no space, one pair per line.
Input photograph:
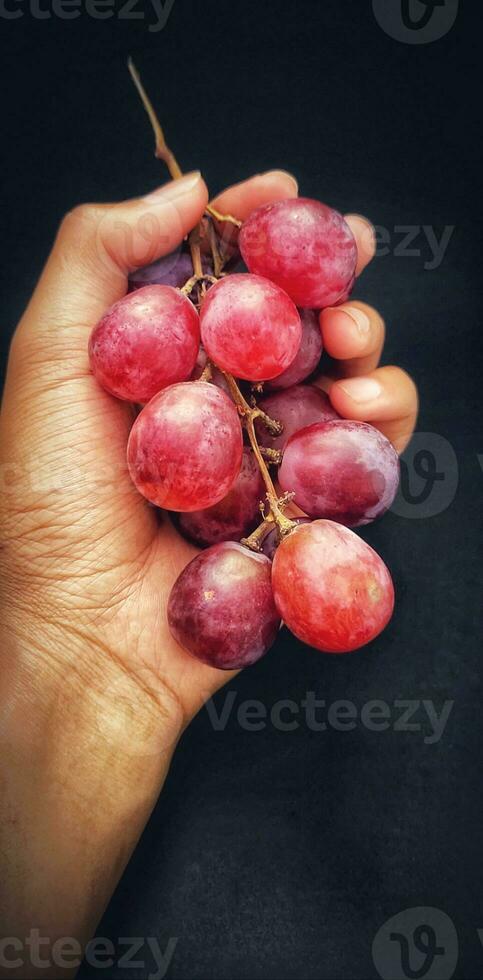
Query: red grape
[250,327]
[331,589]
[305,247]
[295,408]
[145,342]
[185,447]
[343,471]
[307,356]
[221,607]
[236,515]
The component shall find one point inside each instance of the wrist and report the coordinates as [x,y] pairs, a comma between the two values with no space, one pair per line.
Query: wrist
[85,749]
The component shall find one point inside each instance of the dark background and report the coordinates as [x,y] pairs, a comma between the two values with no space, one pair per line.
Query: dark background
[280,854]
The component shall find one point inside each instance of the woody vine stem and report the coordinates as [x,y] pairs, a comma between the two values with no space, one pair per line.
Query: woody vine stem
[198,280]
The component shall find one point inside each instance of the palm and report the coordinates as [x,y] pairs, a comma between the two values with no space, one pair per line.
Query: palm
[134,554]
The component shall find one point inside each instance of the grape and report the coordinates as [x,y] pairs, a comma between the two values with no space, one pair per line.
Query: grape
[303,246]
[295,408]
[236,515]
[343,471]
[145,342]
[250,327]
[172,270]
[272,540]
[307,356]
[185,447]
[221,607]
[217,378]
[331,589]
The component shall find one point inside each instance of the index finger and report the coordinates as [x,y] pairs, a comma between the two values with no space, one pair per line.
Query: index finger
[241,199]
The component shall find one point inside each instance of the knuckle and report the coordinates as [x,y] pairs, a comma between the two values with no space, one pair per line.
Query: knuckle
[406,381]
[80,222]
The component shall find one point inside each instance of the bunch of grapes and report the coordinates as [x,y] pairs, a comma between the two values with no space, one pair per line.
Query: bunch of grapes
[231,432]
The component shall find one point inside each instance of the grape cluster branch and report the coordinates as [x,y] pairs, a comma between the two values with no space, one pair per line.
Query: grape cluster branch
[248,412]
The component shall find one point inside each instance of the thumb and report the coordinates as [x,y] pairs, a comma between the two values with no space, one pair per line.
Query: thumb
[96,246]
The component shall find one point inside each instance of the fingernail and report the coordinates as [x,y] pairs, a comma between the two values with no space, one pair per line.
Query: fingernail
[358,324]
[168,192]
[283,173]
[361,389]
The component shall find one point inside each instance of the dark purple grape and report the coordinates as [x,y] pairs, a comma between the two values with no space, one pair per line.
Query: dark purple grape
[236,515]
[307,356]
[221,607]
[296,408]
[172,270]
[217,376]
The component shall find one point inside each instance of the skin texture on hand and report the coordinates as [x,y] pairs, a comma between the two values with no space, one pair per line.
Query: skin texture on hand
[94,692]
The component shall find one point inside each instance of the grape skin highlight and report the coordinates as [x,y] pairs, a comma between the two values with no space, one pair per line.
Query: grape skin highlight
[331,589]
[305,247]
[221,608]
[343,471]
[185,447]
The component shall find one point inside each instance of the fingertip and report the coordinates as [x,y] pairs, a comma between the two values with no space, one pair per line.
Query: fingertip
[365,236]
[282,180]
[356,398]
[243,198]
[346,331]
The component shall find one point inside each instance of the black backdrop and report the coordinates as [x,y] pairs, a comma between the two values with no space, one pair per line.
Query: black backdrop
[281,853]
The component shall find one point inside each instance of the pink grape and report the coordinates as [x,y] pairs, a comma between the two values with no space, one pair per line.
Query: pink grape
[307,356]
[343,471]
[295,408]
[331,589]
[250,327]
[185,447]
[145,342]
[273,539]
[236,515]
[305,247]
[221,607]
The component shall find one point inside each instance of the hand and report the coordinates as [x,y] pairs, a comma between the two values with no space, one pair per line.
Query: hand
[94,692]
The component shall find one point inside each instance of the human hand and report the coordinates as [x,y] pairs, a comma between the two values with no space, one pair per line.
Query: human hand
[93,687]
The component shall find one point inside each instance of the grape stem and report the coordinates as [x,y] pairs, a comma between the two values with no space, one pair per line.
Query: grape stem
[223,217]
[276,504]
[163,152]
[194,280]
